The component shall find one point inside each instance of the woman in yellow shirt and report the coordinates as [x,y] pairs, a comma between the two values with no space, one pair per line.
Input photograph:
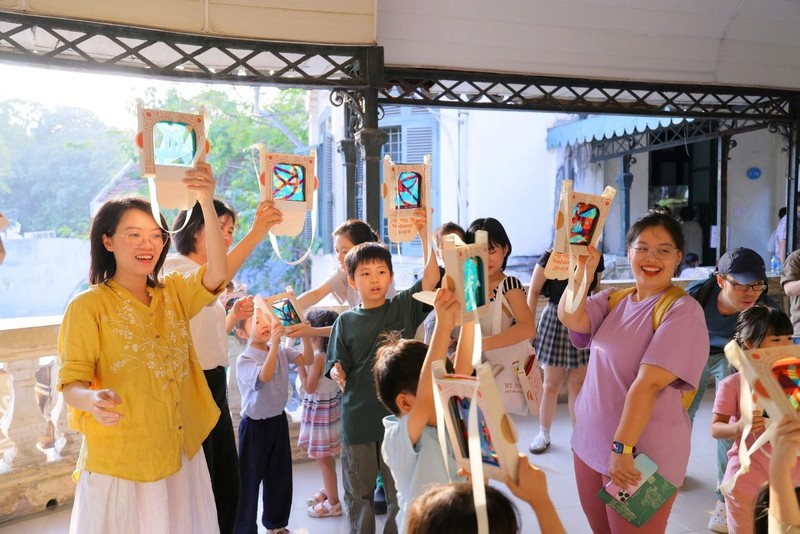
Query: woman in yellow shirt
[131,377]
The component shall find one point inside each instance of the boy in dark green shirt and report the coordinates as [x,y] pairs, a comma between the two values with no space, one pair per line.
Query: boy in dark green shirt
[351,356]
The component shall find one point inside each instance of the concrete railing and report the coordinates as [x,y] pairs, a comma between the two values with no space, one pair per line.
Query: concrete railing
[38,450]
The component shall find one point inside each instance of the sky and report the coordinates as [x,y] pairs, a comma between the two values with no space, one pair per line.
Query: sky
[111,97]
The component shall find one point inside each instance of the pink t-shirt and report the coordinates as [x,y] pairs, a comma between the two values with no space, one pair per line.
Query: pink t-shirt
[619,343]
[727,403]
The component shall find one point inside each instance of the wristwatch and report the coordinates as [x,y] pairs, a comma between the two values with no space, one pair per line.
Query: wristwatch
[618,447]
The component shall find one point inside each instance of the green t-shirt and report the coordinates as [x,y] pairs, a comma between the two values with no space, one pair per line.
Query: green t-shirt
[354,339]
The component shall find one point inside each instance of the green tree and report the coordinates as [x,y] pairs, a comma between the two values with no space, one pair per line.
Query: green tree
[55,163]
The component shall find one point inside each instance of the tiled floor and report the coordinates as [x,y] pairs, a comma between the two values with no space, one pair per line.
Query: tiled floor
[690,513]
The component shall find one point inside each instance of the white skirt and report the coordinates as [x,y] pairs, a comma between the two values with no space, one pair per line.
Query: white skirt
[183,502]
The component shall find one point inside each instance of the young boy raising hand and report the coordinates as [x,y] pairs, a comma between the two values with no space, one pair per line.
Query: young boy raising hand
[404,380]
[351,356]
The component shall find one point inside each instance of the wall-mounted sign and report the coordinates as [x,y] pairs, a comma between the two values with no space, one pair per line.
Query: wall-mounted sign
[754,173]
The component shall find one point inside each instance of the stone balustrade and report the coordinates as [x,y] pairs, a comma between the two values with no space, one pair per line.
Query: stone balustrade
[39,451]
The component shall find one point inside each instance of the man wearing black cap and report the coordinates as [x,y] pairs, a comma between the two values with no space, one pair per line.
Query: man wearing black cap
[740,281]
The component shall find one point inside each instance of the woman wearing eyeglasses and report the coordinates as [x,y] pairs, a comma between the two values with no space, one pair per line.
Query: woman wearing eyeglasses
[131,378]
[631,398]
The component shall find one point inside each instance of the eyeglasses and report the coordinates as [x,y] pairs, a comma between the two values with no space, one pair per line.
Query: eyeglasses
[758,288]
[137,239]
[659,252]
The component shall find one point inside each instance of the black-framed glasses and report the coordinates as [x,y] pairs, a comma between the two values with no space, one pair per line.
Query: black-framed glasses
[137,239]
[756,287]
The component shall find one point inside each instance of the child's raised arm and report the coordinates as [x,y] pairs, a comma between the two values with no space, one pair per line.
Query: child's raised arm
[466,344]
[532,488]
[447,309]
[201,180]
[268,369]
[782,499]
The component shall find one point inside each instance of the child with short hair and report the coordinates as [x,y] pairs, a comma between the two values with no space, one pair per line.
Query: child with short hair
[351,356]
[321,424]
[404,380]
[757,326]
[451,507]
[265,454]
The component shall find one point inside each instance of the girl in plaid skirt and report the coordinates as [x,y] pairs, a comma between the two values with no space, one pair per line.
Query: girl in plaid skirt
[554,350]
[321,424]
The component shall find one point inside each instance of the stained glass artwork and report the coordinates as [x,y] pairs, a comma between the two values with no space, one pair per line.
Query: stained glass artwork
[408,189]
[174,143]
[285,311]
[788,377]
[584,218]
[288,182]
[473,294]
[460,407]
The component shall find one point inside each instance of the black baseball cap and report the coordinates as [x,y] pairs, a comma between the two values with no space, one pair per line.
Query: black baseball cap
[744,265]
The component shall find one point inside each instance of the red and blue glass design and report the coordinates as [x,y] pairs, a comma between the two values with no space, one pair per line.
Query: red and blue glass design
[408,190]
[584,220]
[286,312]
[288,182]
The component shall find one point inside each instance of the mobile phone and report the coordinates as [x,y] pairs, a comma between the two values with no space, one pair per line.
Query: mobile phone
[645,466]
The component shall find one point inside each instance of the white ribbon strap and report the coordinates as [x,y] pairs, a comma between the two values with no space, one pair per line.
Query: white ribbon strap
[573,296]
[302,258]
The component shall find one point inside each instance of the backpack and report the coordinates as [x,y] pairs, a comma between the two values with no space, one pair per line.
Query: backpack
[663,305]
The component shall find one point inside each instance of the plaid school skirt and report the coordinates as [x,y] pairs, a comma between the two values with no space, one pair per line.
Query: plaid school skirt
[553,346]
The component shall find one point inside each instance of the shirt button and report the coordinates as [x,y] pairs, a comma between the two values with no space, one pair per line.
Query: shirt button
[177,404]
[172,380]
[158,336]
[180,427]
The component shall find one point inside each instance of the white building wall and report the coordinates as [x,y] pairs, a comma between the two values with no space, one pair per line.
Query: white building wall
[511,175]
[753,204]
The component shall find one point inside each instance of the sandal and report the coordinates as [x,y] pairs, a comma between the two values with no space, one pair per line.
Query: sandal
[317,498]
[325,509]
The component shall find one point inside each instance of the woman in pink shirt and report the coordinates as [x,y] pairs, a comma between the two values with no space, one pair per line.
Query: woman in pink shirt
[631,398]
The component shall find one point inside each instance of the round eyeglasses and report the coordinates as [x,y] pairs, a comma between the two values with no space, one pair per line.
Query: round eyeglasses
[137,239]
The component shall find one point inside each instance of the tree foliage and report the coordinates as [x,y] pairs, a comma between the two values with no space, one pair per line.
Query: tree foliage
[52,163]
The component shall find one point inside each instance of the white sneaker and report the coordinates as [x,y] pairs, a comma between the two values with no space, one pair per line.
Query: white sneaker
[719,519]
[540,444]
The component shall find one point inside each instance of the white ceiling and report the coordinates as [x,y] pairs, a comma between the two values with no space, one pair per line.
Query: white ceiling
[729,42]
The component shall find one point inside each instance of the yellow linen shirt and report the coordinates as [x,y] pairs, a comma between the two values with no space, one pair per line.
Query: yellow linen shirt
[145,354]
